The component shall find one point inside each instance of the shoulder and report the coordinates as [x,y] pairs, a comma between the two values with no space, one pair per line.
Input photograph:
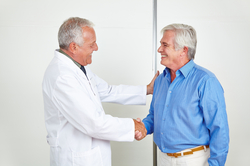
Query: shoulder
[59,67]
[201,75]
[199,70]
[206,78]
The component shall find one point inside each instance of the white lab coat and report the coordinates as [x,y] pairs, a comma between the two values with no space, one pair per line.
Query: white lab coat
[79,131]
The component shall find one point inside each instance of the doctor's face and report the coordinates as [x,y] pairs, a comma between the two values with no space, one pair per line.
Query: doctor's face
[85,51]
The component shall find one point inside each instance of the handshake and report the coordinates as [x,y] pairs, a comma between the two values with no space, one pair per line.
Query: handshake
[140,130]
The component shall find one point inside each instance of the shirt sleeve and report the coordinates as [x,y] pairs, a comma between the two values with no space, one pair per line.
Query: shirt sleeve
[149,120]
[212,103]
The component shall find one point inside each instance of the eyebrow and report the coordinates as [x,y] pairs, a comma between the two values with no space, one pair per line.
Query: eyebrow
[164,43]
[93,42]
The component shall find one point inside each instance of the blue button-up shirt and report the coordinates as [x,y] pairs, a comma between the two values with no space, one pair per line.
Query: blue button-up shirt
[189,112]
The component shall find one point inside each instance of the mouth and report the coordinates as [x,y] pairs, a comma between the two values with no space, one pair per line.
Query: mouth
[163,56]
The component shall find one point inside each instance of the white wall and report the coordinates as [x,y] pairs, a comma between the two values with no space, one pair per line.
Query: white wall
[28,37]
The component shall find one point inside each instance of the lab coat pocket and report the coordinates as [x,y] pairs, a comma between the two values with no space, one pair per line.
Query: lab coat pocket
[89,158]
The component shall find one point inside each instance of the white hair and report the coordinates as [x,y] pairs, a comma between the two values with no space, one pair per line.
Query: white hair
[71,31]
[185,35]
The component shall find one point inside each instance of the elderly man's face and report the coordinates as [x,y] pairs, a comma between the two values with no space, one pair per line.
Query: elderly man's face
[169,57]
[85,51]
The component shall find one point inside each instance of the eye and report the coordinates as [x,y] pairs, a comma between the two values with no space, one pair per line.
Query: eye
[92,45]
[164,44]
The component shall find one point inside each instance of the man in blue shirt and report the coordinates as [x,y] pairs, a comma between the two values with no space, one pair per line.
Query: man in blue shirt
[188,113]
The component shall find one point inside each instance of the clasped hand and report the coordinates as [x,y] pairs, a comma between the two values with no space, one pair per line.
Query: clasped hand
[140,130]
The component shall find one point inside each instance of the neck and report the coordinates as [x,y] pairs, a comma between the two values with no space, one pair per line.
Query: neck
[68,53]
[173,75]
[173,71]
[72,55]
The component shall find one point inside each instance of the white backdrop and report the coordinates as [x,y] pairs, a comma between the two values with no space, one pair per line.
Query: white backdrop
[28,38]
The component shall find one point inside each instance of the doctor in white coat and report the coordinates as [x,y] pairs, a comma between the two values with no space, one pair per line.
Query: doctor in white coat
[79,131]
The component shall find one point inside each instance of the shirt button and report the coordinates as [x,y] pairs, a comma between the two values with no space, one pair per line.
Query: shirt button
[170,91]
[161,133]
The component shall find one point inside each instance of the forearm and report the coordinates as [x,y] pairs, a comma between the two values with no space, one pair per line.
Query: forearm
[125,94]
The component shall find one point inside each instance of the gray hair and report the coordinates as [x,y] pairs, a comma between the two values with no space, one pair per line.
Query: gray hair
[71,31]
[185,35]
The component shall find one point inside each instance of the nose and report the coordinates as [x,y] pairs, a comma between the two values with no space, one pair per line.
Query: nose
[159,49]
[96,47]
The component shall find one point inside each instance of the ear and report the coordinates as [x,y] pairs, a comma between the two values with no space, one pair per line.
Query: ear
[184,51]
[73,47]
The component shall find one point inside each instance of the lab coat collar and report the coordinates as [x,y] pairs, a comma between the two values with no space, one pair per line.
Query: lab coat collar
[71,64]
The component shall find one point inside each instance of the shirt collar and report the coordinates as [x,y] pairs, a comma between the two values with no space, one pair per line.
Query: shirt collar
[187,68]
[184,70]
[166,71]
[77,64]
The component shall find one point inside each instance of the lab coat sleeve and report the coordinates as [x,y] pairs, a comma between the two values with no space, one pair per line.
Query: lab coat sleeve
[121,94]
[75,104]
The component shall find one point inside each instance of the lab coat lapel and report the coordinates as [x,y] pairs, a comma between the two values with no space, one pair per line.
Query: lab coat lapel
[89,81]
